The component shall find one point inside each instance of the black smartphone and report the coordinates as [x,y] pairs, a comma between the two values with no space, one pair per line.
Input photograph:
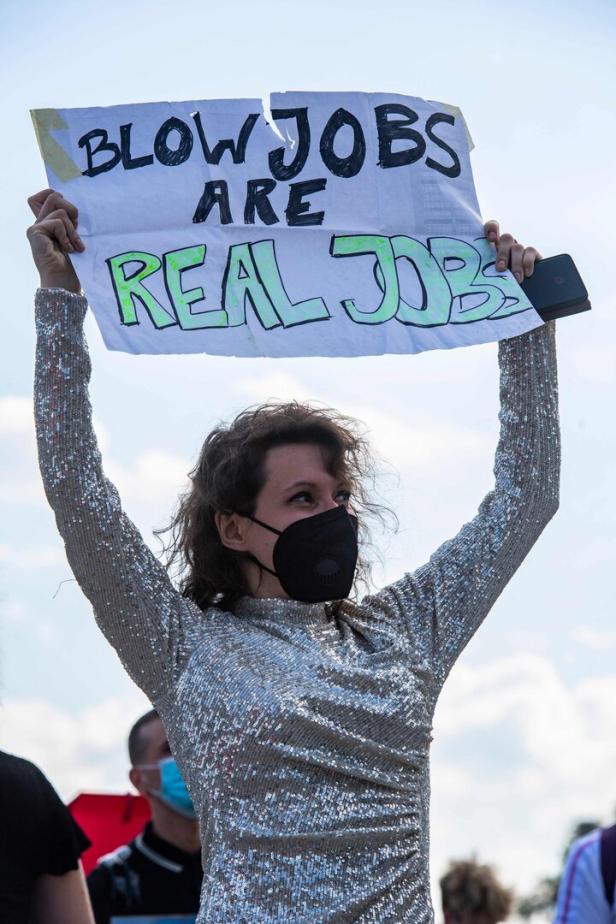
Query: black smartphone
[555,289]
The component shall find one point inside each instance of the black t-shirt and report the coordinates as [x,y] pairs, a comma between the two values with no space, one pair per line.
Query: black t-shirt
[147,876]
[37,835]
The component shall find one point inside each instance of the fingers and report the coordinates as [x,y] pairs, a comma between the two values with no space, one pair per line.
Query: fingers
[47,201]
[55,229]
[56,200]
[509,254]
[491,230]
[531,256]
[503,251]
[519,259]
[35,202]
[71,233]
[515,261]
[56,218]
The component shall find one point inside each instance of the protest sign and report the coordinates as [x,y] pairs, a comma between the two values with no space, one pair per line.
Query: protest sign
[329,224]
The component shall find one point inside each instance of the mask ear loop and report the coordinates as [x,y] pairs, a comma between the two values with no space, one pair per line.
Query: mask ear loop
[254,557]
[264,525]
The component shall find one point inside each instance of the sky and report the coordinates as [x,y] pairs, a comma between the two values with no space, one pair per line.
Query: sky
[525,731]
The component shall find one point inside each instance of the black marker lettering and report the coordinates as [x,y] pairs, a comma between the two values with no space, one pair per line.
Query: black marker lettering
[128,161]
[238,151]
[397,130]
[353,162]
[215,193]
[297,212]
[454,170]
[105,145]
[257,192]
[277,166]
[166,155]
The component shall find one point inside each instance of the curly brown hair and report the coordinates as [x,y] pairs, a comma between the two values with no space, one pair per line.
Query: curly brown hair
[471,894]
[228,477]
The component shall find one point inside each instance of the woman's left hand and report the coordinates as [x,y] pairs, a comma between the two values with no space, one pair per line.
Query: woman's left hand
[509,254]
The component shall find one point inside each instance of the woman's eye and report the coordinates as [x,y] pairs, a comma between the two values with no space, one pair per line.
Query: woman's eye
[343,497]
[303,496]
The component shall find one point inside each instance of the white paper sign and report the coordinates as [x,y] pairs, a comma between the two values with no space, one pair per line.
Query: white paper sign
[337,224]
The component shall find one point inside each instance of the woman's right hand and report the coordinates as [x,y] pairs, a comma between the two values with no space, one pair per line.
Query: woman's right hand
[53,236]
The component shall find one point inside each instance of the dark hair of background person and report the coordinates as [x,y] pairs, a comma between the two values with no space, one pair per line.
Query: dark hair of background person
[471,893]
[229,475]
[136,739]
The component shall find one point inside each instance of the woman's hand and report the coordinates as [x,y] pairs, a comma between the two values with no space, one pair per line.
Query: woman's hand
[53,236]
[509,254]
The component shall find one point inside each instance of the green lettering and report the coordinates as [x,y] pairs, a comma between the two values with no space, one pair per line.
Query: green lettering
[354,245]
[313,309]
[436,296]
[241,283]
[129,289]
[175,263]
[467,281]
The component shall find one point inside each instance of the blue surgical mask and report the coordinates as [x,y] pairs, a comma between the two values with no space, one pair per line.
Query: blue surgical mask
[172,792]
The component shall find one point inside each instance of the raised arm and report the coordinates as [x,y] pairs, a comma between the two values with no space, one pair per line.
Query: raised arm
[444,602]
[135,605]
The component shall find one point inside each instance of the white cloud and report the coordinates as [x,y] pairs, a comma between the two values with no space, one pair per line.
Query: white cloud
[16,415]
[20,481]
[14,611]
[594,362]
[81,751]
[156,477]
[555,724]
[595,639]
[417,445]
[41,556]
[392,437]
[277,386]
[519,756]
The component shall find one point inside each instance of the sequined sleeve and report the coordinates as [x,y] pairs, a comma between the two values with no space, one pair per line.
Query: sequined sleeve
[445,601]
[135,605]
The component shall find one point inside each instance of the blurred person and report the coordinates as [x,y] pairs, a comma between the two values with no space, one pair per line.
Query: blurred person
[159,872]
[41,877]
[471,894]
[586,894]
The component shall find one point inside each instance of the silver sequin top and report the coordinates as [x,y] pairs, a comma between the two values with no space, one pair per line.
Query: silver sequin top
[303,737]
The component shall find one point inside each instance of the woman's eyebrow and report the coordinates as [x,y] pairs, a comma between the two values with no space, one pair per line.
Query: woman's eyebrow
[311,484]
[300,484]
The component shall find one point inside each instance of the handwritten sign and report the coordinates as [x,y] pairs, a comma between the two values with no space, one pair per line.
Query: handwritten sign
[331,224]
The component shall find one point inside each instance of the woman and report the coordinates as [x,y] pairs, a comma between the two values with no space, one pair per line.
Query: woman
[302,729]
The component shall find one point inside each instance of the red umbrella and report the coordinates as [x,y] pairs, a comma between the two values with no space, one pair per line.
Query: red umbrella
[109,821]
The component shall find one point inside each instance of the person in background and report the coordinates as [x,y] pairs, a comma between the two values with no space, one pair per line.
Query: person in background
[588,883]
[41,877]
[159,872]
[471,894]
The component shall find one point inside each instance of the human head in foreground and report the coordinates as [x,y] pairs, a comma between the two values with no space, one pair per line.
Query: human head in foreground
[272,507]
[471,894]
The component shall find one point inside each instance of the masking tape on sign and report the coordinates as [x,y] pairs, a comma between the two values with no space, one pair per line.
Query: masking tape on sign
[45,121]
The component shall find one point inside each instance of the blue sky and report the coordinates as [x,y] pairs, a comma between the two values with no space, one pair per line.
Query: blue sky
[525,739]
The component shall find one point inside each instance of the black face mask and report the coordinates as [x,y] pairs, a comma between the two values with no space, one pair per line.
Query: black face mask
[315,557]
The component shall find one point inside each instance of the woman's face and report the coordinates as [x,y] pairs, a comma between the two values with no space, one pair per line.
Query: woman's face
[297,485]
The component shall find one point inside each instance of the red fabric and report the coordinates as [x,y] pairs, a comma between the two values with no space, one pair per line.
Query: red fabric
[109,821]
